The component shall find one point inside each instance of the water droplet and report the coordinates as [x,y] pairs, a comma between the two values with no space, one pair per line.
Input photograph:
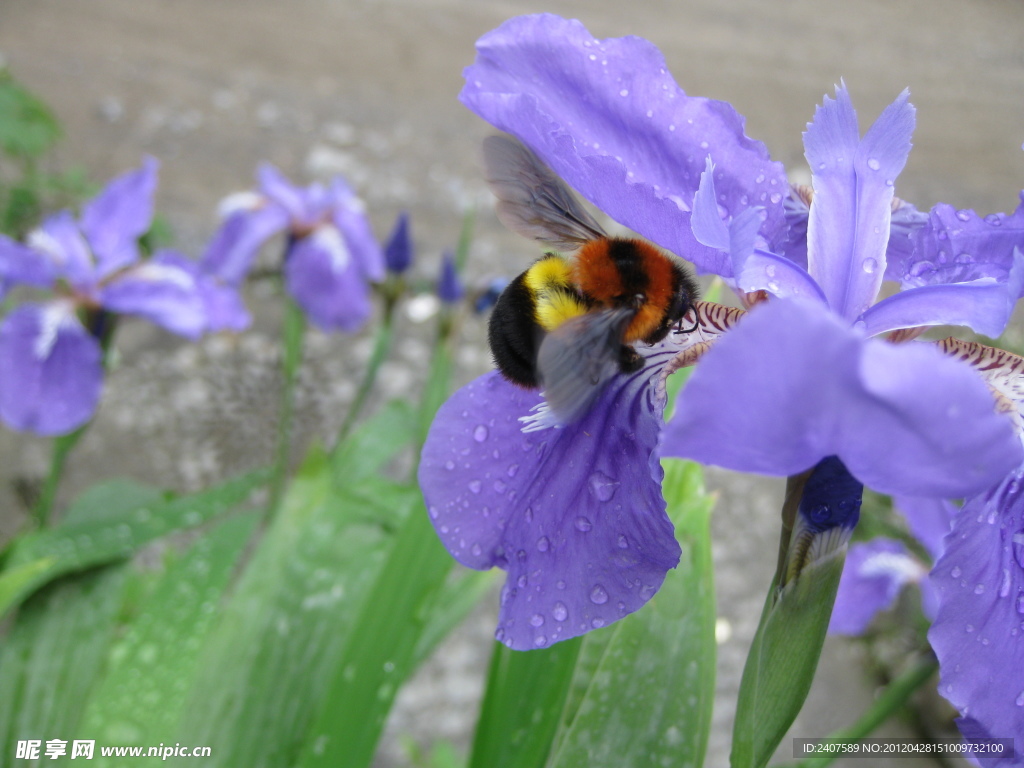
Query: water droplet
[583,524]
[560,612]
[1018,547]
[773,286]
[955,573]
[480,433]
[759,179]
[994,219]
[560,584]
[650,113]
[624,92]
[869,265]
[540,641]
[543,544]
[449,465]
[475,485]
[770,270]
[1004,585]
[979,589]
[601,486]
[775,197]
[963,215]
[873,164]
[598,596]
[623,542]
[529,514]
[536,620]
[476,550]
[500,486]
[597,623]
[512,470]
[434,513]
[1020,603]
[969,628]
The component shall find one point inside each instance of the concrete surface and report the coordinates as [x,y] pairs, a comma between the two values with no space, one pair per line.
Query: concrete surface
[367,88]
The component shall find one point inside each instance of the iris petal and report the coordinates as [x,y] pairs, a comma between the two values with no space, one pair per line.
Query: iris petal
[872,578]
[115,219]
[957,246]
[853,180]
[607,117]
[324,279]
[20,265]
[984,305]
[574,514]
[978,634]
[52,373]
[233,248]
[793,384]
[162,292]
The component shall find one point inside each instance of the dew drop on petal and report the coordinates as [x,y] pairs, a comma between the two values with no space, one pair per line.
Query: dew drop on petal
[969,628]
[979,589]
[536,620]
[775,197]
[623,542]
[601,486]
[1020,700]
[597,623]
[1018,547]
[480,433]
[598,596]
[1020,603]
[869,265]
[963,215]
[512,470]
[476,550]
[543,544]
[540,641]
[583,524]
[475,486]
[955,573]
[873,164]
[560,612]
[1004,585]
[449,465]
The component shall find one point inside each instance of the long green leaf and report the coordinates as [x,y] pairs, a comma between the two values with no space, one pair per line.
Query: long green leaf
[782,660]
[140,699]
[380,652]
[649,700]
[54,654]
[268,663]
[525,696]
[111,521]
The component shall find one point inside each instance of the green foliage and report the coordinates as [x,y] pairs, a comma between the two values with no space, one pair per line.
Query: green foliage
[783,659]
[28,129]
[637,693]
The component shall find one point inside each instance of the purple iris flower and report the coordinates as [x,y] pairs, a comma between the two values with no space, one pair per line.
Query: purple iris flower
[575,514]
[332,254]
[50,353]
[449,287]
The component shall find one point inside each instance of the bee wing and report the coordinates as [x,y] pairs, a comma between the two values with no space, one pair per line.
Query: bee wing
[578,358]
[532,200]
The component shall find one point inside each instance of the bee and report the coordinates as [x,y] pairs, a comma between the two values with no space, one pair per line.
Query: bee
[568,323]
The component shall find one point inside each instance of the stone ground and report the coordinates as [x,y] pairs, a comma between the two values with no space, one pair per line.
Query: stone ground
[367,88]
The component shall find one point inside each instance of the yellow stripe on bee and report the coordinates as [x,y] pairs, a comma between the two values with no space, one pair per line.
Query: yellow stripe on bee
[550,282]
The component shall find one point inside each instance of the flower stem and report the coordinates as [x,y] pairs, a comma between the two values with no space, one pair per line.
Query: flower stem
[294,327]
[62,445]
[381,347]
[895,696]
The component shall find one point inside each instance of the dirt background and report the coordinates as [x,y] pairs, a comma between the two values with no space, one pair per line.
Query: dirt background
[367,88]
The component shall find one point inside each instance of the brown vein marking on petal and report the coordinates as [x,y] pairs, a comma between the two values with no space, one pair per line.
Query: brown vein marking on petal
[712,321]
[804,192]
[901,335]
[1003,372]
[753,298]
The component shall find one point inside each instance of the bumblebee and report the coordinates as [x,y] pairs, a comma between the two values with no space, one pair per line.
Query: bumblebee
[567,324]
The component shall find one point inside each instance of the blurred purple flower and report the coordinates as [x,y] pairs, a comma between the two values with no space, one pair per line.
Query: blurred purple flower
[797,381]
[51,362]
[332,254]
[449,286]
[398,249]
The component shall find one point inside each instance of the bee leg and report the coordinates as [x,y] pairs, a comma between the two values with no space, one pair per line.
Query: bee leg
[630,360]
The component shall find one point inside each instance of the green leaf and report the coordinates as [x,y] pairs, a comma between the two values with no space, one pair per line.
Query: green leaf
[649,699]
[54,653]
[782,660]
[452,604]
[141,698]
[380,652]
[111,521]
[374,444]
[525,696]
[268,663]
[27,126]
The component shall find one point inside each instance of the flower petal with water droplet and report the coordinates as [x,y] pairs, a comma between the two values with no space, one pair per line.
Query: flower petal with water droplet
[557,526]
[979,637]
